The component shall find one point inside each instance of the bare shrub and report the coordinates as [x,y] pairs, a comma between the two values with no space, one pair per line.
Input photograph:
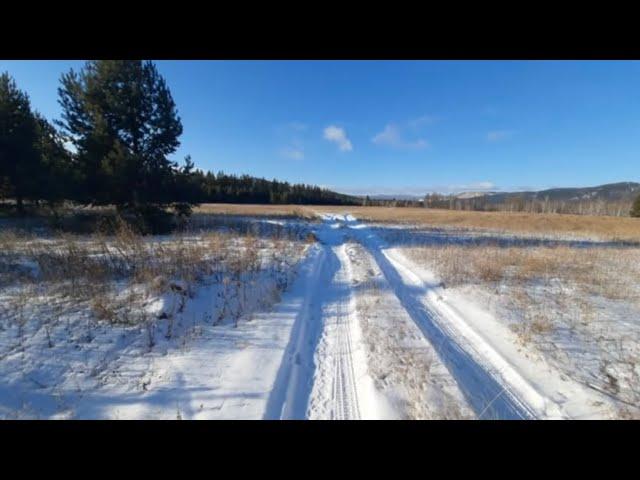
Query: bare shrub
[103,308]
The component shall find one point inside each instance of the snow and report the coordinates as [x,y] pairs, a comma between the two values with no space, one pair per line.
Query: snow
[224,373]
[195,367]
[406,368]
[497,379]
[517,387]
[325,373]
[358,330]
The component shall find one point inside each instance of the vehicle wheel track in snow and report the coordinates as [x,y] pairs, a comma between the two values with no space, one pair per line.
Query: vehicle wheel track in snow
[344,396]
[492,387]
[292,388]
[317,378]
[335,394]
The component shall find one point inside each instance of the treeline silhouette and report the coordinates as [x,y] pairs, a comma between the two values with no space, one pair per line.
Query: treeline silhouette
[119,127]
[596,206]
[579,206]
[207,187]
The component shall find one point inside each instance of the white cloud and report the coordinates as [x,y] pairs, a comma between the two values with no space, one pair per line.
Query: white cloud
[417,190]
[389,136]
[392,137]
[338,136]
[497,135]
[293,153]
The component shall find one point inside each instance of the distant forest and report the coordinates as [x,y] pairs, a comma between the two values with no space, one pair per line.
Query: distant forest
[568,201]
[119,126]
[222,188]
[618,200]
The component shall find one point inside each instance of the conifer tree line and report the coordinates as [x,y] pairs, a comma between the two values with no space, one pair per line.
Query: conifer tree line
[112,146]
[207,187]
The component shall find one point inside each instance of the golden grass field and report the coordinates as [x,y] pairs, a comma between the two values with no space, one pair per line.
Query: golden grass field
[611,228]
[255,210]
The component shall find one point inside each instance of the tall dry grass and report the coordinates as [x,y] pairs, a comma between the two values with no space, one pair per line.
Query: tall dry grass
[115,274]
[279,211]
[585,226]
[595,271]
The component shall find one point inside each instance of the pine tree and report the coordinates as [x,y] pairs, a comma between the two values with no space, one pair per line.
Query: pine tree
[635,208]
[19,157]
[56,179]
[122,119]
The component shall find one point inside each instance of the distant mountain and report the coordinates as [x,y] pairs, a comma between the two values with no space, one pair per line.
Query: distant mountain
[395,197]
[612,192]
[622,191]
[610,199]
[473,194]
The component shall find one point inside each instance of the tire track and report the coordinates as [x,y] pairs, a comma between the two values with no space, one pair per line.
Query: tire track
[491,386]
[345,395]
[334,358]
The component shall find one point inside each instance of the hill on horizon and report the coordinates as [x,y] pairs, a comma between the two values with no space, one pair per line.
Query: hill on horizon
[621,191]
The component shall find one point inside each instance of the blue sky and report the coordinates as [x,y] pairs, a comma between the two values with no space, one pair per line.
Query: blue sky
[398,127]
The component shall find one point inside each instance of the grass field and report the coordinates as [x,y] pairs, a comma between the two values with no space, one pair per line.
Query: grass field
[609,228]
[281,211]
[582,226]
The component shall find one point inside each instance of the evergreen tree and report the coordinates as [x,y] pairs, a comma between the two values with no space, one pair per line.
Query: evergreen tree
[19,157]
[122,120]
[635,208]
[57,178]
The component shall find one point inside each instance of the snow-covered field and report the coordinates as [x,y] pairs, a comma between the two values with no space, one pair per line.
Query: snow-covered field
[366,322]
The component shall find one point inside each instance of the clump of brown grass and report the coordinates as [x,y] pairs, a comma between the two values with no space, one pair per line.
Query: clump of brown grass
[104,308]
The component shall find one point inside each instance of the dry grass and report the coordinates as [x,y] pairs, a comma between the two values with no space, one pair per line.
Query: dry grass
[611,228]
[77,312]
[280,211]
[570,304]
[114,275]
[595,271]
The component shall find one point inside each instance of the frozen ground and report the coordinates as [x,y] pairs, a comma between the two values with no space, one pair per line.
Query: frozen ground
[360,328]
[204,348]
[574,309]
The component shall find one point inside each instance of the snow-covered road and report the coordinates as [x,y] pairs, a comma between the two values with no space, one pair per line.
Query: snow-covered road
[492,376]
[324,372]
